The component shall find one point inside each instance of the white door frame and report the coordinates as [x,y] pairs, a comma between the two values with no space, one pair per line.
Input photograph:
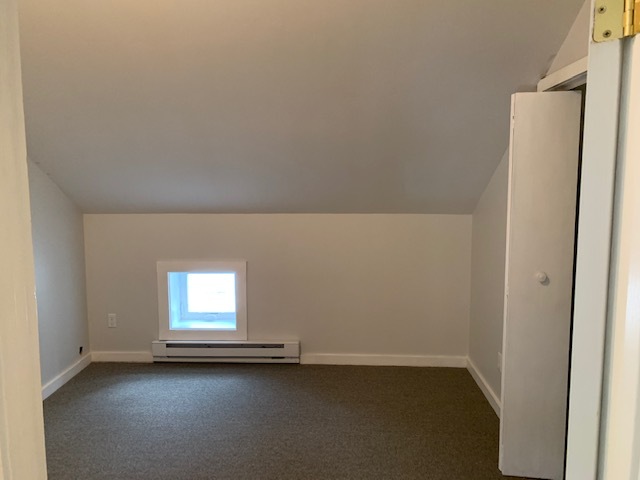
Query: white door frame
[592,451]
[22,451]
[620,438]
[593,259]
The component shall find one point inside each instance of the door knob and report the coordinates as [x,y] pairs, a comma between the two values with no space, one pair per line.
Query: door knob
[542,277]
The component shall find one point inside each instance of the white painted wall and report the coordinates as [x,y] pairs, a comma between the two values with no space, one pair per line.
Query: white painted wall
[576,44]
[58,247]
[22,454]
[487,277]
[368,284]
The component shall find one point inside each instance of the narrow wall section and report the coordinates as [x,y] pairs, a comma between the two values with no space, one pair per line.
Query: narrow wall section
[58,247]
[487,279]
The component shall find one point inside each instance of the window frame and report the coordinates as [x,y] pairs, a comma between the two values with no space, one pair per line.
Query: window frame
[237,267]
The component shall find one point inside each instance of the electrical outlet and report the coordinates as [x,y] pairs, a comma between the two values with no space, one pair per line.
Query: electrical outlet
[500,362]
[112,321]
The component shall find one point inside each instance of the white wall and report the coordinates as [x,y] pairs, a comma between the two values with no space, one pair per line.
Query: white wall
[58,247]
[487,277]
[367,284]
[576,44]
[22,453]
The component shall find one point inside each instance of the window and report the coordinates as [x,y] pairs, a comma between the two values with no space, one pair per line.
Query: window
[202,300]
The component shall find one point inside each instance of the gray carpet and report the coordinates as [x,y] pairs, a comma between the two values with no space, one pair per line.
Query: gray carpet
[217,421]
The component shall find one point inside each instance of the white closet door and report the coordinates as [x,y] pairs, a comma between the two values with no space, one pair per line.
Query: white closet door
[543,177]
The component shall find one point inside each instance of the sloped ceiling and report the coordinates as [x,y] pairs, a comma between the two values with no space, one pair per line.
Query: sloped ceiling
[279,105]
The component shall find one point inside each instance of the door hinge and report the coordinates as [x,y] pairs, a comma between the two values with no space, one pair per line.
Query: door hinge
[614,19]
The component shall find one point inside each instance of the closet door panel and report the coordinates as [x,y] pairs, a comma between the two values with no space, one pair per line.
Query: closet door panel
[543,178]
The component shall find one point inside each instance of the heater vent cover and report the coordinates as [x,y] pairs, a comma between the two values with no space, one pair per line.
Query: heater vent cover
[226,351]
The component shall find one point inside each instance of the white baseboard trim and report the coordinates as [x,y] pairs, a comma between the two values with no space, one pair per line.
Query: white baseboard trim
[124,357]
[384,360]
[59,380]
[493,399]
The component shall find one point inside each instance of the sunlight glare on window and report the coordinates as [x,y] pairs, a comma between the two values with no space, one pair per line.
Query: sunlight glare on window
[211,292]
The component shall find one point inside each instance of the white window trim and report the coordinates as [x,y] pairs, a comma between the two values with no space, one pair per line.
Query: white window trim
[239,267]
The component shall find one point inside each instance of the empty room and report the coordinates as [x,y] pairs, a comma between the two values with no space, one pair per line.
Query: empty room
[296,239]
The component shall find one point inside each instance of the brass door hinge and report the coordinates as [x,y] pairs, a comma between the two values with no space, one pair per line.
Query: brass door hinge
[614,19]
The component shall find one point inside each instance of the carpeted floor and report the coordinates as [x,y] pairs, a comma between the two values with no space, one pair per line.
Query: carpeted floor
[262,422]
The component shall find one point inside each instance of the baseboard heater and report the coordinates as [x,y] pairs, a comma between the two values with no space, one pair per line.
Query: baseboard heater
[225,351]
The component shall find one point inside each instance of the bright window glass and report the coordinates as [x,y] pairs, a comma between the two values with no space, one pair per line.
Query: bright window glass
[211,292]
[202,300]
